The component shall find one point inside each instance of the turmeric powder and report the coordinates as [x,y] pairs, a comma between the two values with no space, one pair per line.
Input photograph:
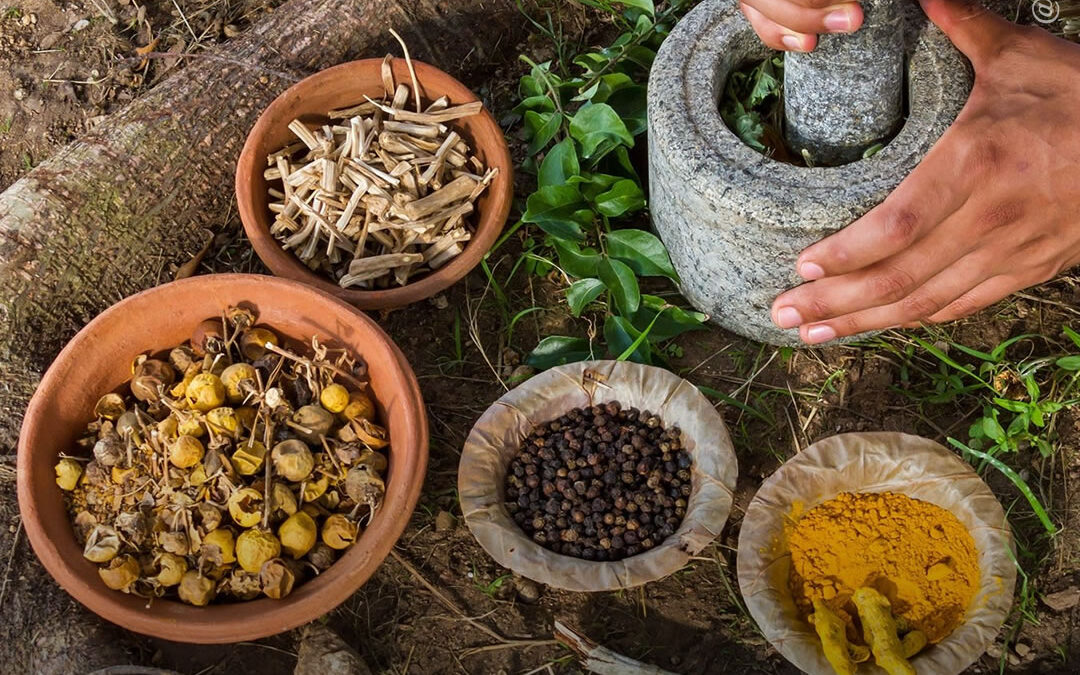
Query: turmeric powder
[916,554]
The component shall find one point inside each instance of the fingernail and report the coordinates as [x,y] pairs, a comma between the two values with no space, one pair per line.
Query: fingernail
[792,43]
[816,334]
[838,21]
[810,271]
[788,317]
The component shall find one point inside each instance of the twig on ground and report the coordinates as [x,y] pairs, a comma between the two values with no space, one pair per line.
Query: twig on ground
[11,557]
[599,659]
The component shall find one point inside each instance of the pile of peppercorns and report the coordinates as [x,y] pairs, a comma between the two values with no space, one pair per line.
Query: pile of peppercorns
[600,483]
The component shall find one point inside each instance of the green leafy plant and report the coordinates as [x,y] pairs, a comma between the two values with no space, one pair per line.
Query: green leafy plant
[750,104]
[1018,400]
[580,128]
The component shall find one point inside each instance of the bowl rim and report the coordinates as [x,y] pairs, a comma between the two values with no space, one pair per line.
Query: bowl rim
[206,626]
[489,223]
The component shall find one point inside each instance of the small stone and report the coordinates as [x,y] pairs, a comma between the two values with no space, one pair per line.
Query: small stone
[440,301]
[81,24]
[25,20]
[1063,600]
[445,521]
[1014,660]
[1022,649]
[994,651]
[231,30]
[528,591]
[19,94]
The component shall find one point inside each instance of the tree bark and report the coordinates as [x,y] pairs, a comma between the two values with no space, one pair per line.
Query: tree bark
[106,215]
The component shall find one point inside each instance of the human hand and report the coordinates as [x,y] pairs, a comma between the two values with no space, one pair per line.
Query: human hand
[994,207]
[793,25]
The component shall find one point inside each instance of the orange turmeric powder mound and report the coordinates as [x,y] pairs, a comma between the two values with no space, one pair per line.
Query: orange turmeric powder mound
[916,554]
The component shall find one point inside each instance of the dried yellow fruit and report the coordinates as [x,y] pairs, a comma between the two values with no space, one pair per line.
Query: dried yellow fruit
[223,421]
[334,398]
[120,573]
[233,376]
[219,547]
[372,434]
[322,556]
[168,428]
[338,532]
[242,585]
[282,499]
[205,392]
[171,569]
[312,423]
[109,406]
[195,589]
[186,452]
[292,460]
[254,547]
[245,507]
[277,579]
[68,472]
[248,458]
[191,426]
[298,534]
[360,407]
[313,489]
[253,342]
[151,378]
[102,545]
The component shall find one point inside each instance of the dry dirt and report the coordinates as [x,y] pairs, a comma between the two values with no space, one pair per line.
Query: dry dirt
[59,75]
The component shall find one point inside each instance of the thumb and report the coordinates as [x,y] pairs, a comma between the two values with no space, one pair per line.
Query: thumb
[975,30]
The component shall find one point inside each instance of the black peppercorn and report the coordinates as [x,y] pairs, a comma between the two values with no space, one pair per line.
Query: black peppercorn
[600,483]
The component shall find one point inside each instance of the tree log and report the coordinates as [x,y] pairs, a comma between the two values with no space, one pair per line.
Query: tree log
[105,216]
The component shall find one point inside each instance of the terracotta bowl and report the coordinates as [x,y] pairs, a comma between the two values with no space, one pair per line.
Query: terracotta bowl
[342,86]
[97,361]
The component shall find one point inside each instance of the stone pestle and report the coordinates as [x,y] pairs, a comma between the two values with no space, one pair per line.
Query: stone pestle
[847,94]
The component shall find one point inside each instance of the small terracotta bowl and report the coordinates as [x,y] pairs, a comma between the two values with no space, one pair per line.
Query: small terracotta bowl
[98,360]
[341,86]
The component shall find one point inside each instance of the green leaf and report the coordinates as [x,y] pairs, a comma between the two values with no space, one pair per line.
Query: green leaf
[1072,335]
[593,184]
[559,164]
[541,103]
[581,293]
[531,86]
[646,6]
[992,429]
[595,123]
[558,350]
[631,105]
[540,128]
[642,251]
[1010,405]
[575,261]
[640,55]
[1019,482]
[624,197]
[559,210]
[620,336]
[1070,363]
[622,282]
[673,321]
[765,84]
[609,84]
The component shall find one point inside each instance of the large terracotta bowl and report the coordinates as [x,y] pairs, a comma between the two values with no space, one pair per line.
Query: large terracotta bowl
[342,86]
[98,360]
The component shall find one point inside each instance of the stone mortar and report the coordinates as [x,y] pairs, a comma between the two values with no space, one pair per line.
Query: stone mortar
[847,94]
[734,220]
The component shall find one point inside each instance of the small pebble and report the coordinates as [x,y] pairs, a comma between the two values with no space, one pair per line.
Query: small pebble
[1022,649]
[528,591]
[19,94]
[445,521]
[81,24]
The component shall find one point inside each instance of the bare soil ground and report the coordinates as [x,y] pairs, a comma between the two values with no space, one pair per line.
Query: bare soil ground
[58,75]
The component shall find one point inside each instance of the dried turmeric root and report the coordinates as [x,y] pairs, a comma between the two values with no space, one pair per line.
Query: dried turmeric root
[841,654]
[880,630]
